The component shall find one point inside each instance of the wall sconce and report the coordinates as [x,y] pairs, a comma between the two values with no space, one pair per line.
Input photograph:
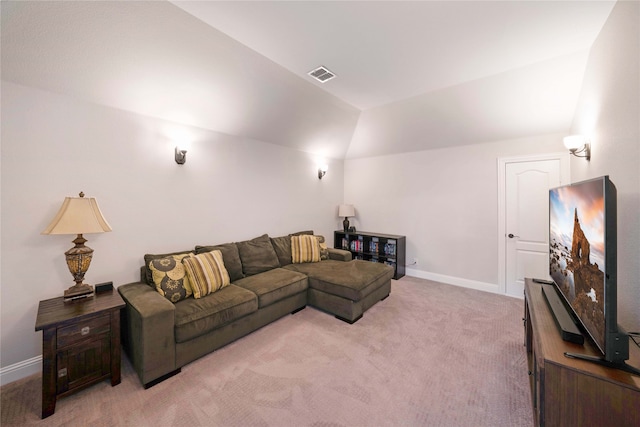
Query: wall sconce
[181,156]
[322,171]
[577,144]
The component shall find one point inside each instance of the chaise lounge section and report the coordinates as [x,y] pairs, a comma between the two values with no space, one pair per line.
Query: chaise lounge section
[164,329]
[345,289]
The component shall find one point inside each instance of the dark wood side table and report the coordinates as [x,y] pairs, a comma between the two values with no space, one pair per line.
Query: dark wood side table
[80,344]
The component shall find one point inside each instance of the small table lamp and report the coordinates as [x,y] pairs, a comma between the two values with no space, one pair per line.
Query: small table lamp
[346,211]
[78,216]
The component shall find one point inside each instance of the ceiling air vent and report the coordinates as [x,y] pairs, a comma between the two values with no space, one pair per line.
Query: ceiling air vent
[321,74]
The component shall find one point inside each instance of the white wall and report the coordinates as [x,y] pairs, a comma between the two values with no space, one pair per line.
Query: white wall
[608,112]
[53,146]
[445,201]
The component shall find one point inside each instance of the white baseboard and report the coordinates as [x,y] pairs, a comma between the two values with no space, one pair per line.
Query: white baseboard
[20,370]
[457,281]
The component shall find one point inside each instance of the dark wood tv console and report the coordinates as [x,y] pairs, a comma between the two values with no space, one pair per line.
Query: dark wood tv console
[572,392]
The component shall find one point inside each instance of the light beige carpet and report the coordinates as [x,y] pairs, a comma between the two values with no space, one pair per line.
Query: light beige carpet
[429,355]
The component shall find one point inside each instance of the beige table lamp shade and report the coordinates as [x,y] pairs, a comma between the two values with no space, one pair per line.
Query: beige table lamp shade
[346,211]
[78,215]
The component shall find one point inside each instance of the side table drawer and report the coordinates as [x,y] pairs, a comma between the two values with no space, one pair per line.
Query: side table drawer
[83,330]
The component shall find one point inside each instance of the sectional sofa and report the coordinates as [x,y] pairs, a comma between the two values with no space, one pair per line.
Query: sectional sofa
[233,289]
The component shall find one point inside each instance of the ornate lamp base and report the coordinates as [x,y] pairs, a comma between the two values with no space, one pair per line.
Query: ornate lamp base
[78,260]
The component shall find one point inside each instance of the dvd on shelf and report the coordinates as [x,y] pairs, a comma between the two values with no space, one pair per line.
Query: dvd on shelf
[357,245]
[390,248]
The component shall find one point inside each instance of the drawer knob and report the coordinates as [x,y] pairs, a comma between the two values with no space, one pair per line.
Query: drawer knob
[62,373]
[85,330]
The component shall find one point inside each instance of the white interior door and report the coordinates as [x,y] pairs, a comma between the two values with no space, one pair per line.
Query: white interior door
[526,225]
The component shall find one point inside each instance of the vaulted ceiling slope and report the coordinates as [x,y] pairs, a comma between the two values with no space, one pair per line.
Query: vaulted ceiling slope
[154,59]
[411,75]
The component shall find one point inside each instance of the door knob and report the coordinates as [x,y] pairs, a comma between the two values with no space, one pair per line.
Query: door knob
[511,236]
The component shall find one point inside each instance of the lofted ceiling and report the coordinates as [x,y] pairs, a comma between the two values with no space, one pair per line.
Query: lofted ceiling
[410,75]
[387,51]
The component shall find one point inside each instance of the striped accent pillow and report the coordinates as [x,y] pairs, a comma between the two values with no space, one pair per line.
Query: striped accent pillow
[206,273]
[305,248]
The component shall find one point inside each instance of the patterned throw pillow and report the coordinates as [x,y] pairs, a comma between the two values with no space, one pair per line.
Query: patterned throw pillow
[148,277]
[206,273]
[324,250]
[169,277]
[305,248]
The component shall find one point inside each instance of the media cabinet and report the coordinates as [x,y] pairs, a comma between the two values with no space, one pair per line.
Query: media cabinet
[388,249]
[572,392]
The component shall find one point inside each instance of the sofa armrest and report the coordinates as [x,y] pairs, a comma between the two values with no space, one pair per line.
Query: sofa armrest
[339,254]
[148,331]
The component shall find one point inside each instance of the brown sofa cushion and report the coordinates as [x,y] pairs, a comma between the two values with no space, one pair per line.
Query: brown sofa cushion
[274,285]
[257,255]
[195,317]
[230,256]
[282,247]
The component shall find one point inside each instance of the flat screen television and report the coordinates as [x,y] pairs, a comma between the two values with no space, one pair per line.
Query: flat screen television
[582,261]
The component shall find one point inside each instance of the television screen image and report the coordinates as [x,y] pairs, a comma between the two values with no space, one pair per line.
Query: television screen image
[577,261]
